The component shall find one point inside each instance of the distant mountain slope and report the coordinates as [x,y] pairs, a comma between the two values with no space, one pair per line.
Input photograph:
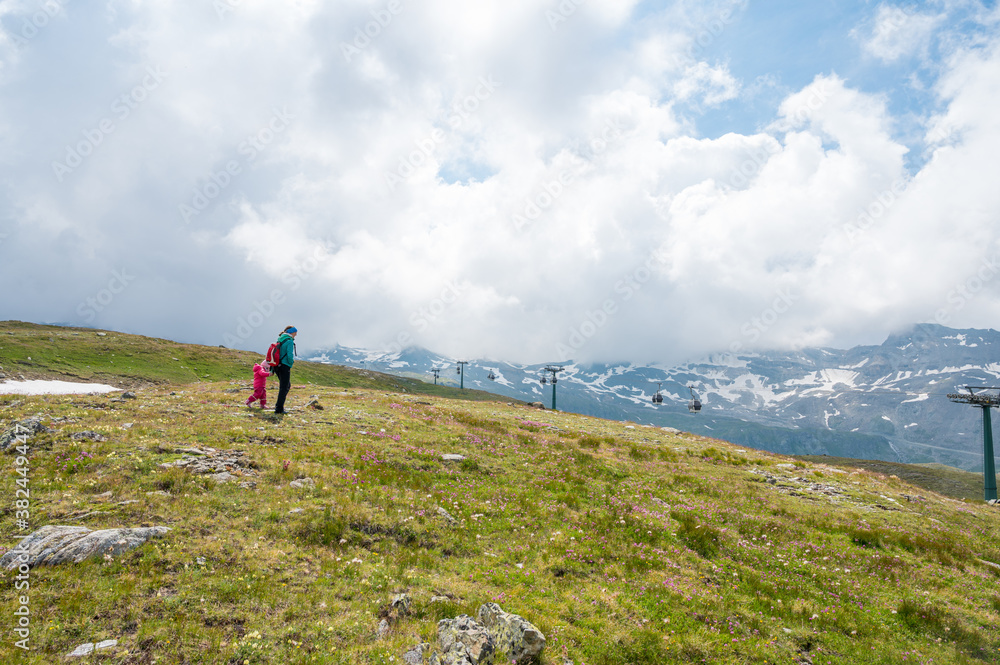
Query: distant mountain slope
[34,351]
[873,402]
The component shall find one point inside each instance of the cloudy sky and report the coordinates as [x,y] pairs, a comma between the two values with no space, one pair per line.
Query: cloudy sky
[526,180]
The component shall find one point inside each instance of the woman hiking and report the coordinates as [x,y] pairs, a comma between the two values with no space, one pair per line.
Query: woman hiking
[283,370]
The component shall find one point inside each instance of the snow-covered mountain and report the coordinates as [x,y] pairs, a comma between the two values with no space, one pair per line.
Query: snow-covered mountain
[875,402]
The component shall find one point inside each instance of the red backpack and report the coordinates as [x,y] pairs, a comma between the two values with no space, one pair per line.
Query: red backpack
[273,356]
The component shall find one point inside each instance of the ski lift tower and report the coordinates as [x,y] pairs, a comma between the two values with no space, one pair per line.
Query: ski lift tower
[461,371]
[984,401]
[555,370]
[436,373]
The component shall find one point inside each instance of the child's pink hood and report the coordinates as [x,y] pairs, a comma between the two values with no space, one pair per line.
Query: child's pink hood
[260,375]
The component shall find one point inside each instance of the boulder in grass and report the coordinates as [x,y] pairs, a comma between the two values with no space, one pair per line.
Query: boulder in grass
[497,637]
[22,431]
[456,655]
[54,545]
[463,637]
[515,638]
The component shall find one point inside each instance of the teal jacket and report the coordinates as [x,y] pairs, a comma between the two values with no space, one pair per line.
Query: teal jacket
[286,349]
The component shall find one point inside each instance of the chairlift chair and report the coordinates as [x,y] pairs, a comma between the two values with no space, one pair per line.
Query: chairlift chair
[491,376]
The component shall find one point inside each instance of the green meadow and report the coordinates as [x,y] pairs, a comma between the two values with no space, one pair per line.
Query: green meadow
[624,544]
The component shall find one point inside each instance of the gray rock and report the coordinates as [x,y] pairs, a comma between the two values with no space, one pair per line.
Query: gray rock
[536,405]
[22,431]
[382,630]
[447,516]
[128,394]
[90,647]
[400,605]
[222,477]
[54,545]
[448,457]
[463,637]
[88,436]
[415,656]
[158,493]
[302,483]
[515,638]
[212,461]
[456,656]
[248,485]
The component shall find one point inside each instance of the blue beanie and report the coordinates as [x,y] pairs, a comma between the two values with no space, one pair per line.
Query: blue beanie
[291,330]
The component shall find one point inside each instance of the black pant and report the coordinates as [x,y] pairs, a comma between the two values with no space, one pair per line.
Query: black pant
[284,374]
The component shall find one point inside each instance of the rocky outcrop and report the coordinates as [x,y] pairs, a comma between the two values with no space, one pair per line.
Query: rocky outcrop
[515,638]
[54,545]
[497,637]
[22,431]
[463,642]
[220,465]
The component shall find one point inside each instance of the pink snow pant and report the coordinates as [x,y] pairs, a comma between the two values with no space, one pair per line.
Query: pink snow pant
[258,394]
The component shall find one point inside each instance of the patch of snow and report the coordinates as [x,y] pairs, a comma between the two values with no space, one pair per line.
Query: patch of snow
[919,398]
[824,380]
[953,370]
[501,379]
[53,388]
[734,390]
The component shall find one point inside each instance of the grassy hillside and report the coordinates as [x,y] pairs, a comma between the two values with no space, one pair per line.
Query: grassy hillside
[622,543]
[123,360]
[945,480]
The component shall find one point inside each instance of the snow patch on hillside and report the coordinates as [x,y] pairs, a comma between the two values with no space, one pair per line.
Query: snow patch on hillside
[824,380]
[53,388]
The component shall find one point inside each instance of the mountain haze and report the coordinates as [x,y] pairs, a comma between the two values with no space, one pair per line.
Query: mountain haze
[883,402]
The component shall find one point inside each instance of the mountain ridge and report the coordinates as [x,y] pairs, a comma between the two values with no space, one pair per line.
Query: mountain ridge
[882,401]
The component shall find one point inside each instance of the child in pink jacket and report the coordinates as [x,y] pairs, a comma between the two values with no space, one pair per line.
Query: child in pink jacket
[260,373]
